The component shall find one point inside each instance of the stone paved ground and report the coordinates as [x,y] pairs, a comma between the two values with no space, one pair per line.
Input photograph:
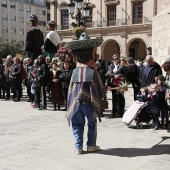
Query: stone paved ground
[41,140]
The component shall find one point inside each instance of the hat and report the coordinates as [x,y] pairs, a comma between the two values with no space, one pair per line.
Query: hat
[33,17]
[52,23]
[84,42]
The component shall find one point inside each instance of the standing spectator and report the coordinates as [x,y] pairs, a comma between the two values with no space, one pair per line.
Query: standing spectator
[28,69]
[166,67]
[149,70]
[41,77]
[100,72]
[2,80]
[120,77]
[85,92]
[52,40]
[34,39]
[15,76]
[133,76]
[153,105]
[9,62]
[56,87]
[65,78]
[162,102]
[69,59]
[114,81]
[103,69]
[34,83]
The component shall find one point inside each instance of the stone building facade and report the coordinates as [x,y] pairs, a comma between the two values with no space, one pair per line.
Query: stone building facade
[14,21]
[125,25]
[161,32]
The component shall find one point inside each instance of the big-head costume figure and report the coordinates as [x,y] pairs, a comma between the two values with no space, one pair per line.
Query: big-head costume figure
[34,39]
[85,92]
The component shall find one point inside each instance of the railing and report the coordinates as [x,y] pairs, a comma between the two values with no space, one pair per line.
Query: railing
[109,23]
[137,20]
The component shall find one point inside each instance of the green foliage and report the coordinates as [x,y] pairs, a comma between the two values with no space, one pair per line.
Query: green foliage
[9,48]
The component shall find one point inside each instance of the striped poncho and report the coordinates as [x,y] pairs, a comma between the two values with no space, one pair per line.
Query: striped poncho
[85,86]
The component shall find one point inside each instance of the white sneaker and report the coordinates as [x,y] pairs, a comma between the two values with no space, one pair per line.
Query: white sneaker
[92,148]
[78,152]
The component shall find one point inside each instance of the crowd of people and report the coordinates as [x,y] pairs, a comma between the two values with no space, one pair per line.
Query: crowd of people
[45,76]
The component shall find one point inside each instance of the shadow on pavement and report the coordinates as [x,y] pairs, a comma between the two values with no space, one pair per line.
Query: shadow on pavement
[134,152]
[143,127]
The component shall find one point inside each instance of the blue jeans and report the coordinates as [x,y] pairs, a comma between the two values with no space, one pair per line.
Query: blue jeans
[78,122]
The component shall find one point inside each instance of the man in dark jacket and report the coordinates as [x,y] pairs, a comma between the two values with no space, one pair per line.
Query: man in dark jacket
[148,71]
[34,39]
[41,76]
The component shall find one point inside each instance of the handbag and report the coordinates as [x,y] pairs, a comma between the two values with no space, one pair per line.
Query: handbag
[104,104]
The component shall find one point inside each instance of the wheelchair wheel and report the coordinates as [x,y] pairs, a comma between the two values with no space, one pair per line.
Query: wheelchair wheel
[139,125]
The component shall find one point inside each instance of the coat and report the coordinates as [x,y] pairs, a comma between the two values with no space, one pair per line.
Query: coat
[15,72]
[65,78]
[56,88]
[133,75]
[150,79]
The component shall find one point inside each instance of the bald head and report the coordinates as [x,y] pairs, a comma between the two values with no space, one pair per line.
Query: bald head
[149,60]
[28,60]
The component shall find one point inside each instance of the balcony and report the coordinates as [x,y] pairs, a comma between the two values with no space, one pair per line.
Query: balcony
[137,20]
[110,23]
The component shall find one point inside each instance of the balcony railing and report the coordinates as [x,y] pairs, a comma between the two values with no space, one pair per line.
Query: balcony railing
[109,23]
[137,20]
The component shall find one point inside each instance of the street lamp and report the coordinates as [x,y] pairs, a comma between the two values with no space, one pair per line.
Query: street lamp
[79,17]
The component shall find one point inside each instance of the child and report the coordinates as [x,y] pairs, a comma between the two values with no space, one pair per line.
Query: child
[142,97]
[162,104]
[153,105]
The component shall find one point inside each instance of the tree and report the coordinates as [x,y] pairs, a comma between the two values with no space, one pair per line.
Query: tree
[9,48]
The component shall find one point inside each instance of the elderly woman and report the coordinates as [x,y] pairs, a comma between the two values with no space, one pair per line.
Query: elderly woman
[15,76]
[57,96]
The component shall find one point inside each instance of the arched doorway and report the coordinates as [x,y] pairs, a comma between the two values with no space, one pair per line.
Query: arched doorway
[137,49]
[109,48]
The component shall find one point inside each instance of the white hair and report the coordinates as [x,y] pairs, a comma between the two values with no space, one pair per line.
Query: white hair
[9,57]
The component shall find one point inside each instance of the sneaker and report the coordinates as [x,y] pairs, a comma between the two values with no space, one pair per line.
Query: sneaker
[153,126]
[42,108]
[156,128]
[92,148]
[78,151]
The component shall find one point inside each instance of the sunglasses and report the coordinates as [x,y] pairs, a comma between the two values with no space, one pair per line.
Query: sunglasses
[115,59]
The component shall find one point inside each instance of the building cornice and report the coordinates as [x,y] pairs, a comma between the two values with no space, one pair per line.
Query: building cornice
[123,31]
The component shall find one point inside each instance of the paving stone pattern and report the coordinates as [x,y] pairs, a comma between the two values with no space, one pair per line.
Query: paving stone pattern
[42,140]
